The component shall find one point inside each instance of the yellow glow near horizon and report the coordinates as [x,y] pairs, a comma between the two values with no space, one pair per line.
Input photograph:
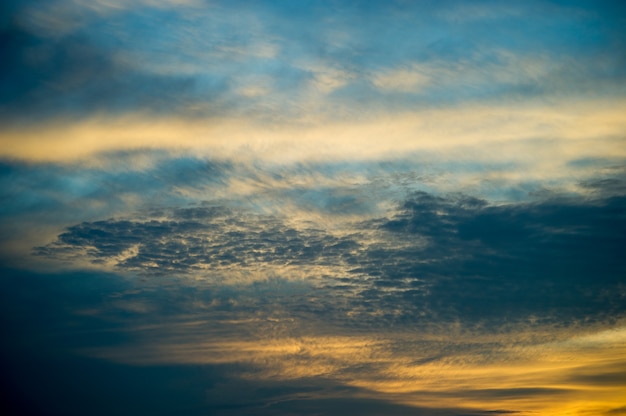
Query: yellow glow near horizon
[550,378]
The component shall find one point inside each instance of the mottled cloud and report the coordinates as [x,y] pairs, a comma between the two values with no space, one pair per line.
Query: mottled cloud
[444,257]
[196,239]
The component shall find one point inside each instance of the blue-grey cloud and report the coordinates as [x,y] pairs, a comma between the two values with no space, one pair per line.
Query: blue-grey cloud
[274,61]
[71,76]
[196,237]
[37,189]
[483,261]
[438,257]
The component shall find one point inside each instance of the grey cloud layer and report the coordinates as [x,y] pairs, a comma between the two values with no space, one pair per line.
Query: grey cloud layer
[443,257]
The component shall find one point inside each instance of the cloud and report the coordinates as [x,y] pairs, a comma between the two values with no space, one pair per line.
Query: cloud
[451,257]
[553,256]
[70,60]
[312,207]
[197,239]
[452,308]
[74,76]
[482,72]
[554,134]
[114,182]
[78,59]
[443,304]
[405,80]
[61,17]
[513,370]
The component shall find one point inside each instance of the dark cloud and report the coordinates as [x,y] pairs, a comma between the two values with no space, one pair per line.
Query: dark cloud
[561,256]
[607,186]
[438,258]
[614,378]
[47,324]
[71,385]
[40,309]
[197,237]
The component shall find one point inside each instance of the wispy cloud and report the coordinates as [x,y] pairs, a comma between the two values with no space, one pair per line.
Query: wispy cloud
[74,58]
[564,130]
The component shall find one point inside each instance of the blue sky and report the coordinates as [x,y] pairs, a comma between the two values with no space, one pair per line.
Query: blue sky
[269,208]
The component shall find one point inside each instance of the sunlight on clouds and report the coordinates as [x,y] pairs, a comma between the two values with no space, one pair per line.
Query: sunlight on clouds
[481,372]
[328,79]
[288,358]
[258,49]
[253,91]
[404,80]
[228,275]
[482,69]
[272,208]
[567,130]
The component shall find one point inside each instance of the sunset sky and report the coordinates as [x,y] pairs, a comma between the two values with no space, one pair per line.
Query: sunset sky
[322,207]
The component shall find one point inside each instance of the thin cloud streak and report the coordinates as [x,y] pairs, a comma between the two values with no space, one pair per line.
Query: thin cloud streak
[567,128]
[512,370]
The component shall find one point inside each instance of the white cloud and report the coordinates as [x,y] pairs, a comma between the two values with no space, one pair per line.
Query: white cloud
[489,69]
[412,79]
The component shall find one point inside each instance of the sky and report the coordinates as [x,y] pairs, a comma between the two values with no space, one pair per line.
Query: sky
[313,207]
